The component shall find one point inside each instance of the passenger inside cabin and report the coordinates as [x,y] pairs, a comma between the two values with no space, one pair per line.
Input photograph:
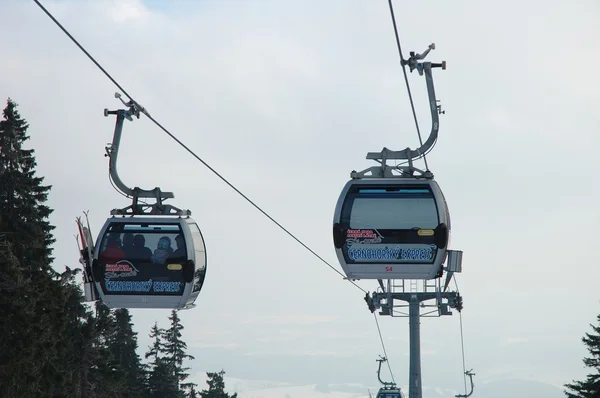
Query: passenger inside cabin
[128,247]
[163,251]
[179,253]
[113,252]
[141,252]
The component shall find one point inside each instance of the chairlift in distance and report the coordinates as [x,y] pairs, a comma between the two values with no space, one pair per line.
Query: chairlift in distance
[389,389]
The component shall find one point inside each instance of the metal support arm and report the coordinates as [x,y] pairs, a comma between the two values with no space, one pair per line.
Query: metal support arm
[386,384]
[415,300]
[410,154]
[112,151]
[434,109]
[470,374]
[435,123]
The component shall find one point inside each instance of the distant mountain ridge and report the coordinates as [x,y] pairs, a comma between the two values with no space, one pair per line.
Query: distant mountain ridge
[517,388]
[508,388]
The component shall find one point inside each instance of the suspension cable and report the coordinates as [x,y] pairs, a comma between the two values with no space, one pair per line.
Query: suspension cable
[214,171]
[412,104]
[384,350]
[462,340]
[194,154]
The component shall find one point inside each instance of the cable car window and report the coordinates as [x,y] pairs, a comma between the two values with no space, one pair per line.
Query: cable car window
[391,224]
[448,223]
[401,209]
[144,259]
[198,245]
[200,255]
[389,394]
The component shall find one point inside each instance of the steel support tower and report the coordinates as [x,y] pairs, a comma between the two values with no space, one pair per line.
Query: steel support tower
[414,295]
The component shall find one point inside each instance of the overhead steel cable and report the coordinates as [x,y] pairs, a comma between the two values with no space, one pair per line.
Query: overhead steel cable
[384,350]
[192,152]
[412,104]
[462,340]
[210,168]
[82,49]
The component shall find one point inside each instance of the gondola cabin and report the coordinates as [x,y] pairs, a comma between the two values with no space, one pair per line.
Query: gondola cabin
[390,393]
[391,228]
[149,262]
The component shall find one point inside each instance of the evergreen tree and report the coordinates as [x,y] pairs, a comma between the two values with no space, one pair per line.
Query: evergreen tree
[33,320]
[17,309]
[216,386]
[157,348]
[590,387]
[22,195]
[162,379]
[83,376]
[175,349]
[110,365]
[167,353]
[124,351]
[104,376]
[78,323]
[51,344]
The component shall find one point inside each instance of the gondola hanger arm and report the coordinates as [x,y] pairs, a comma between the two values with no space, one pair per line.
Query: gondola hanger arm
[423,68]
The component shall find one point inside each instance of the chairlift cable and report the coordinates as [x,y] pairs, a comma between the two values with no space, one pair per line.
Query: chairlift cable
[462,341]
[192,152]
[412,105]
[384,350]
[213,170]
[82,49]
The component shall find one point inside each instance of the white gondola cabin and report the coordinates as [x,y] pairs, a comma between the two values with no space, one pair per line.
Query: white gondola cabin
[148,255]
[149,262]
[391,228]
[390,393]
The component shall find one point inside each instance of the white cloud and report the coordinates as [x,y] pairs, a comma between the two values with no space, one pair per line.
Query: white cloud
[304,353]
[515,340]
[128,11]
[225,346]
[289,319]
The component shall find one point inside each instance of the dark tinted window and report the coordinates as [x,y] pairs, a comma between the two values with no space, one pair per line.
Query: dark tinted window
[404,208]
[198,245]
[200,257]
[142,259]
[146,242]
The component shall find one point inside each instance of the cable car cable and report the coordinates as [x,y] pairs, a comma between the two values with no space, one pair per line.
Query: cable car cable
[213,170]
[412,105]
[462,341]
[384,350]
[81,48]
[192,152]
[462,346]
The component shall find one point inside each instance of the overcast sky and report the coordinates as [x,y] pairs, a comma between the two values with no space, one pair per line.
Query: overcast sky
[284,99]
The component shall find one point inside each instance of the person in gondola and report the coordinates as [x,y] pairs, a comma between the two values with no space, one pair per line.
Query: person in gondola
[128,247]
[142,252]
[163,251]
[113,251]
[179,254]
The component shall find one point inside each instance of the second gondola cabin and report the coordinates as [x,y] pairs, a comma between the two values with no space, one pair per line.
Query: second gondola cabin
[149,262]
[390,393]
[391,228]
